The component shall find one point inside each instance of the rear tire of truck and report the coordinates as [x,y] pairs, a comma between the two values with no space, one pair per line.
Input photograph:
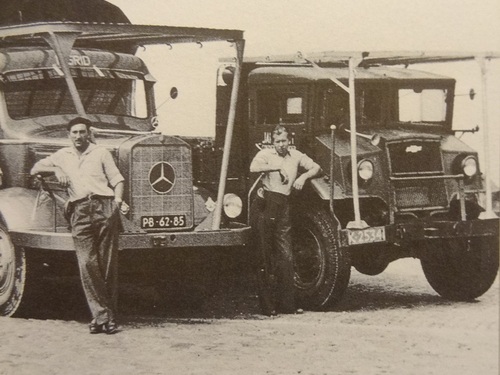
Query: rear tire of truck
[322,269]
[462,270]
[13,275]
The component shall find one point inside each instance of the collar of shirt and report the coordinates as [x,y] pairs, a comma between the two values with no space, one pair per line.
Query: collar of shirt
[273,151]
[74,151]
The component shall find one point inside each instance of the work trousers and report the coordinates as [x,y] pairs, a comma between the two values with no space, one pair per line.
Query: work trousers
[95,225]
[271,220]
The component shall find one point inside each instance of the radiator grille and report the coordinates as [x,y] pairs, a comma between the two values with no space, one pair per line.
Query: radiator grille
[145,201]
[412,158]
[415,156]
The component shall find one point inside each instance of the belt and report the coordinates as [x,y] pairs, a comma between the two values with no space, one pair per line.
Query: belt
[91,197]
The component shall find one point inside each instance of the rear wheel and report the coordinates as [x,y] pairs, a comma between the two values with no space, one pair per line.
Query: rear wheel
[322,269]
[12,275]
[462,269]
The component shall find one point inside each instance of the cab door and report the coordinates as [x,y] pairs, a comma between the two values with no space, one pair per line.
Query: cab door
[272,105]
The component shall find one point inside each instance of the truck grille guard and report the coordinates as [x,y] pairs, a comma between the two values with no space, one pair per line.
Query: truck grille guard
[400,194]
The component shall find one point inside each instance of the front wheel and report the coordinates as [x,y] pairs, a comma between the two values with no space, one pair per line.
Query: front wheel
[322,269]
[462,269]
[12,275]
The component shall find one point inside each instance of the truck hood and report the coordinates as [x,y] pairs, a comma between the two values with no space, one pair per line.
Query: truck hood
[399,134]
[323,142]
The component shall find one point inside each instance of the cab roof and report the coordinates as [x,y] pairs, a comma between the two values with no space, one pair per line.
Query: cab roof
[304,73]
[116,37]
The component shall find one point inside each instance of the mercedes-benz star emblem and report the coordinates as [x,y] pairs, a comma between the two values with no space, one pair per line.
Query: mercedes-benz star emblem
[162,177]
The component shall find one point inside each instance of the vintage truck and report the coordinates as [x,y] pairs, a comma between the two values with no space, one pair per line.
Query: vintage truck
[51,72]
[400,184]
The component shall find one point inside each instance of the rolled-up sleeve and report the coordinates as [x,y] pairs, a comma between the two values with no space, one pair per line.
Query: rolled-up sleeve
[49,161]
[306,162]
[110,169]
[258,162]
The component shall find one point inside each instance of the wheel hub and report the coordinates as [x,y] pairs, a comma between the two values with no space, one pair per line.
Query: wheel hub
[308,263]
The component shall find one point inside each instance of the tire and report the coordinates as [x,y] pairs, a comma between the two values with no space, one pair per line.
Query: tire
[322,269]
[13,272]
[462,270]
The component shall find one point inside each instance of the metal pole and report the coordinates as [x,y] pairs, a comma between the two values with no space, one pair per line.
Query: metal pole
[62,44]
[239,44]
[332,161]
[357,223]
[489,213]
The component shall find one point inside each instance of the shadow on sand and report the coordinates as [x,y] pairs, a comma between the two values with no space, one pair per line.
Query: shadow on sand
[228,289]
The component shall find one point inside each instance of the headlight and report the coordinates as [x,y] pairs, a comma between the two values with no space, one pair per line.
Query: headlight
[365,170]
[232,205]
[469,166]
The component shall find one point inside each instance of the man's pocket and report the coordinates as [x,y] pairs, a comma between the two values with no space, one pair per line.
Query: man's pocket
[68,210]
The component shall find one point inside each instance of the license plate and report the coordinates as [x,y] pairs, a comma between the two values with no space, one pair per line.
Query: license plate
[165,221]
[368,235]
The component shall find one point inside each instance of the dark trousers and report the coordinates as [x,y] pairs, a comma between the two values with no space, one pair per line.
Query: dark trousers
[95,225]
[271,220]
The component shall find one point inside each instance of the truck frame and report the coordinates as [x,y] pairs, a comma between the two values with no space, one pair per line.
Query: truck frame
[51,72]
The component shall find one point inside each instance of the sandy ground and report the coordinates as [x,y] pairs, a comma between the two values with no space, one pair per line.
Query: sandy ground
[388,324]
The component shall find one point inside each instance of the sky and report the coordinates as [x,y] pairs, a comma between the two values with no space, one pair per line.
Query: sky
[276,26]
[288,26]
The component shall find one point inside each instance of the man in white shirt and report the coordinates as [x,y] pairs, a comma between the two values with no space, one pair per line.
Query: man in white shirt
[95,188]
[271,213]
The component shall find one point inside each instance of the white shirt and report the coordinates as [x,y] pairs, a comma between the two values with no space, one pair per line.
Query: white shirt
[92,172]
[290,163]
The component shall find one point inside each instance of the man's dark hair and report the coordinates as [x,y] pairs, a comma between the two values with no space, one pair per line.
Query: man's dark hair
[280,129]
[79,120]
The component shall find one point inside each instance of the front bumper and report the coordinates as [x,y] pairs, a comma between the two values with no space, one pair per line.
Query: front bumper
[402,233]
[127,241]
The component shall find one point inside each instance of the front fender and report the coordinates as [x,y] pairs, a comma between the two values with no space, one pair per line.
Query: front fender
[22,208]
[322,187]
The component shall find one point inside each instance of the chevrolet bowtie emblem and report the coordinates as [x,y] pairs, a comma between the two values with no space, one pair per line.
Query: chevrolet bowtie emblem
[413,149]
[162,177]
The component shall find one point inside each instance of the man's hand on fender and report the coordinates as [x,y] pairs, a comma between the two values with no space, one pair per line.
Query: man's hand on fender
[62,177]
[124,208]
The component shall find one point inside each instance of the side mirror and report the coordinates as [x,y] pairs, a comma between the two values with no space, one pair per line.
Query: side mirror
[472,94]
[174,93]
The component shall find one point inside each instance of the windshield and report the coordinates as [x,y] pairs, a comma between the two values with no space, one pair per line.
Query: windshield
[381,105]
[47,97]
[428,105]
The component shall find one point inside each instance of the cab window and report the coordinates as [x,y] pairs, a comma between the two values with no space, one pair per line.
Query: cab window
[278,107]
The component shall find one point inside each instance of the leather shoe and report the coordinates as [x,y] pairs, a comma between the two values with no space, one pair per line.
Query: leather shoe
[110,327]
[95,328]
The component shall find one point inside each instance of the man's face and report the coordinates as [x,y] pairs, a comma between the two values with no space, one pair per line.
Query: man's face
[79,135]
[281,142]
